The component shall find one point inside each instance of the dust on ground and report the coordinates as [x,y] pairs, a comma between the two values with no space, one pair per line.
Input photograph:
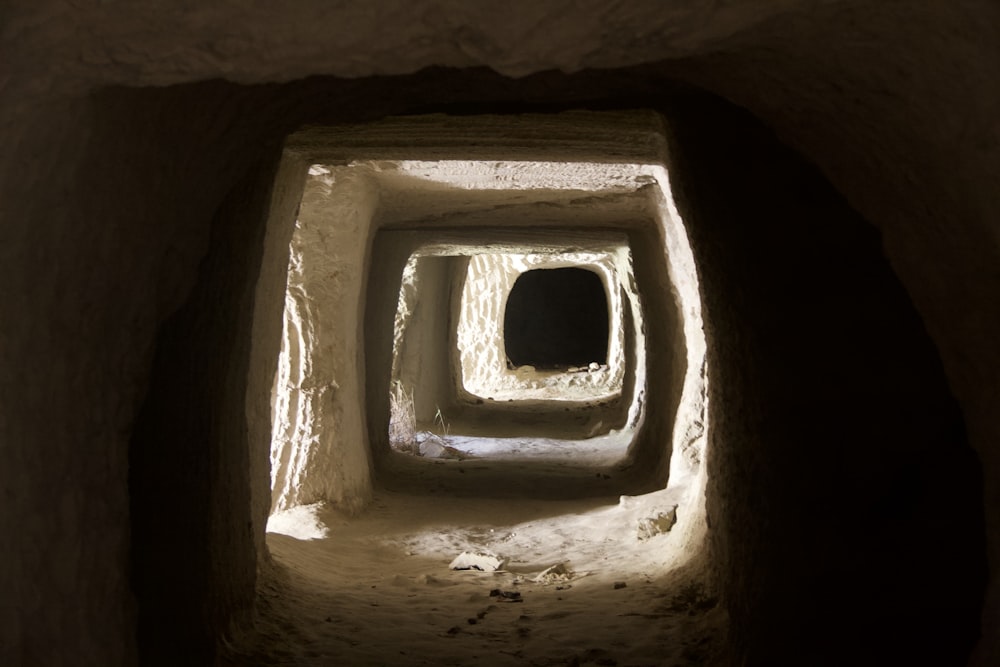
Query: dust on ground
[582,583]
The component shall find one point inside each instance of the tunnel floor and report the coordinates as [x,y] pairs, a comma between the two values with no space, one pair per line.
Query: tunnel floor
[601,450]
[378,589]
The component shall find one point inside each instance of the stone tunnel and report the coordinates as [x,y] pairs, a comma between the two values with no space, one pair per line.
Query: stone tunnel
[787,211]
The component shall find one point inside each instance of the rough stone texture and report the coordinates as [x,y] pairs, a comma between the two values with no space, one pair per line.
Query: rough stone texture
[194,421]
[481,326]
[267,335]
[108,202]
[649,527]
[318,450]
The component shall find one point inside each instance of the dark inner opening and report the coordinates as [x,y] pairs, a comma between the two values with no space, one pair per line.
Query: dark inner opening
[556,318]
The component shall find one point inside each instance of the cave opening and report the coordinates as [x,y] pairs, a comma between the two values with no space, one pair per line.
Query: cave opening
[556,318]
[453,391]
[586,495]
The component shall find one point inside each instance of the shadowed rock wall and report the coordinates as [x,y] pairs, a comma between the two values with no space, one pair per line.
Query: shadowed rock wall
[844,498]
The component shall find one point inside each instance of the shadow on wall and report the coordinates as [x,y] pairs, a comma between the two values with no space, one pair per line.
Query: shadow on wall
[845,501]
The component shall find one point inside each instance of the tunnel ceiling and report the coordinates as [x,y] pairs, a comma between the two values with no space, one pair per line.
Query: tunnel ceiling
[864,88]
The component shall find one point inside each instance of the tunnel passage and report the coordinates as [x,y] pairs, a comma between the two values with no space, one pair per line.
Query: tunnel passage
[555,318]
[415,331]
[779,518]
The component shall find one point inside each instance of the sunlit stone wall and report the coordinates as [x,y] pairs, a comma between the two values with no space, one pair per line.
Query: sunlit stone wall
[319,449]
[480,331]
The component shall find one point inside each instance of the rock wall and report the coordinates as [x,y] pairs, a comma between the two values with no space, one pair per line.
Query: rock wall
[121,498]
[422,354]
[319,442]
[841,485]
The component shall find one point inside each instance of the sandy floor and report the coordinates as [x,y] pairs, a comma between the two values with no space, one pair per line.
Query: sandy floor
[377,589]
[604,450]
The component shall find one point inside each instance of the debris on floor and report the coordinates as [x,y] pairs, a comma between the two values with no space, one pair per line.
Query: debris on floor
[484,562]
[657,525]
[433,447]
[620,584]
[558,573]
[506,596]
[429,609]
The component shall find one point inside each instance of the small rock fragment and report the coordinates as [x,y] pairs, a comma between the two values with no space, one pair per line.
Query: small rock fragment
[559,572]
[433,449]
[620,584]
[657,525]
[484,562]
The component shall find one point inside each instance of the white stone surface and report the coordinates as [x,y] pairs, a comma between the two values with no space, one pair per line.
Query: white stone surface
[303,522]
[319,447]
[309,462]
[482,561]
[485,373]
